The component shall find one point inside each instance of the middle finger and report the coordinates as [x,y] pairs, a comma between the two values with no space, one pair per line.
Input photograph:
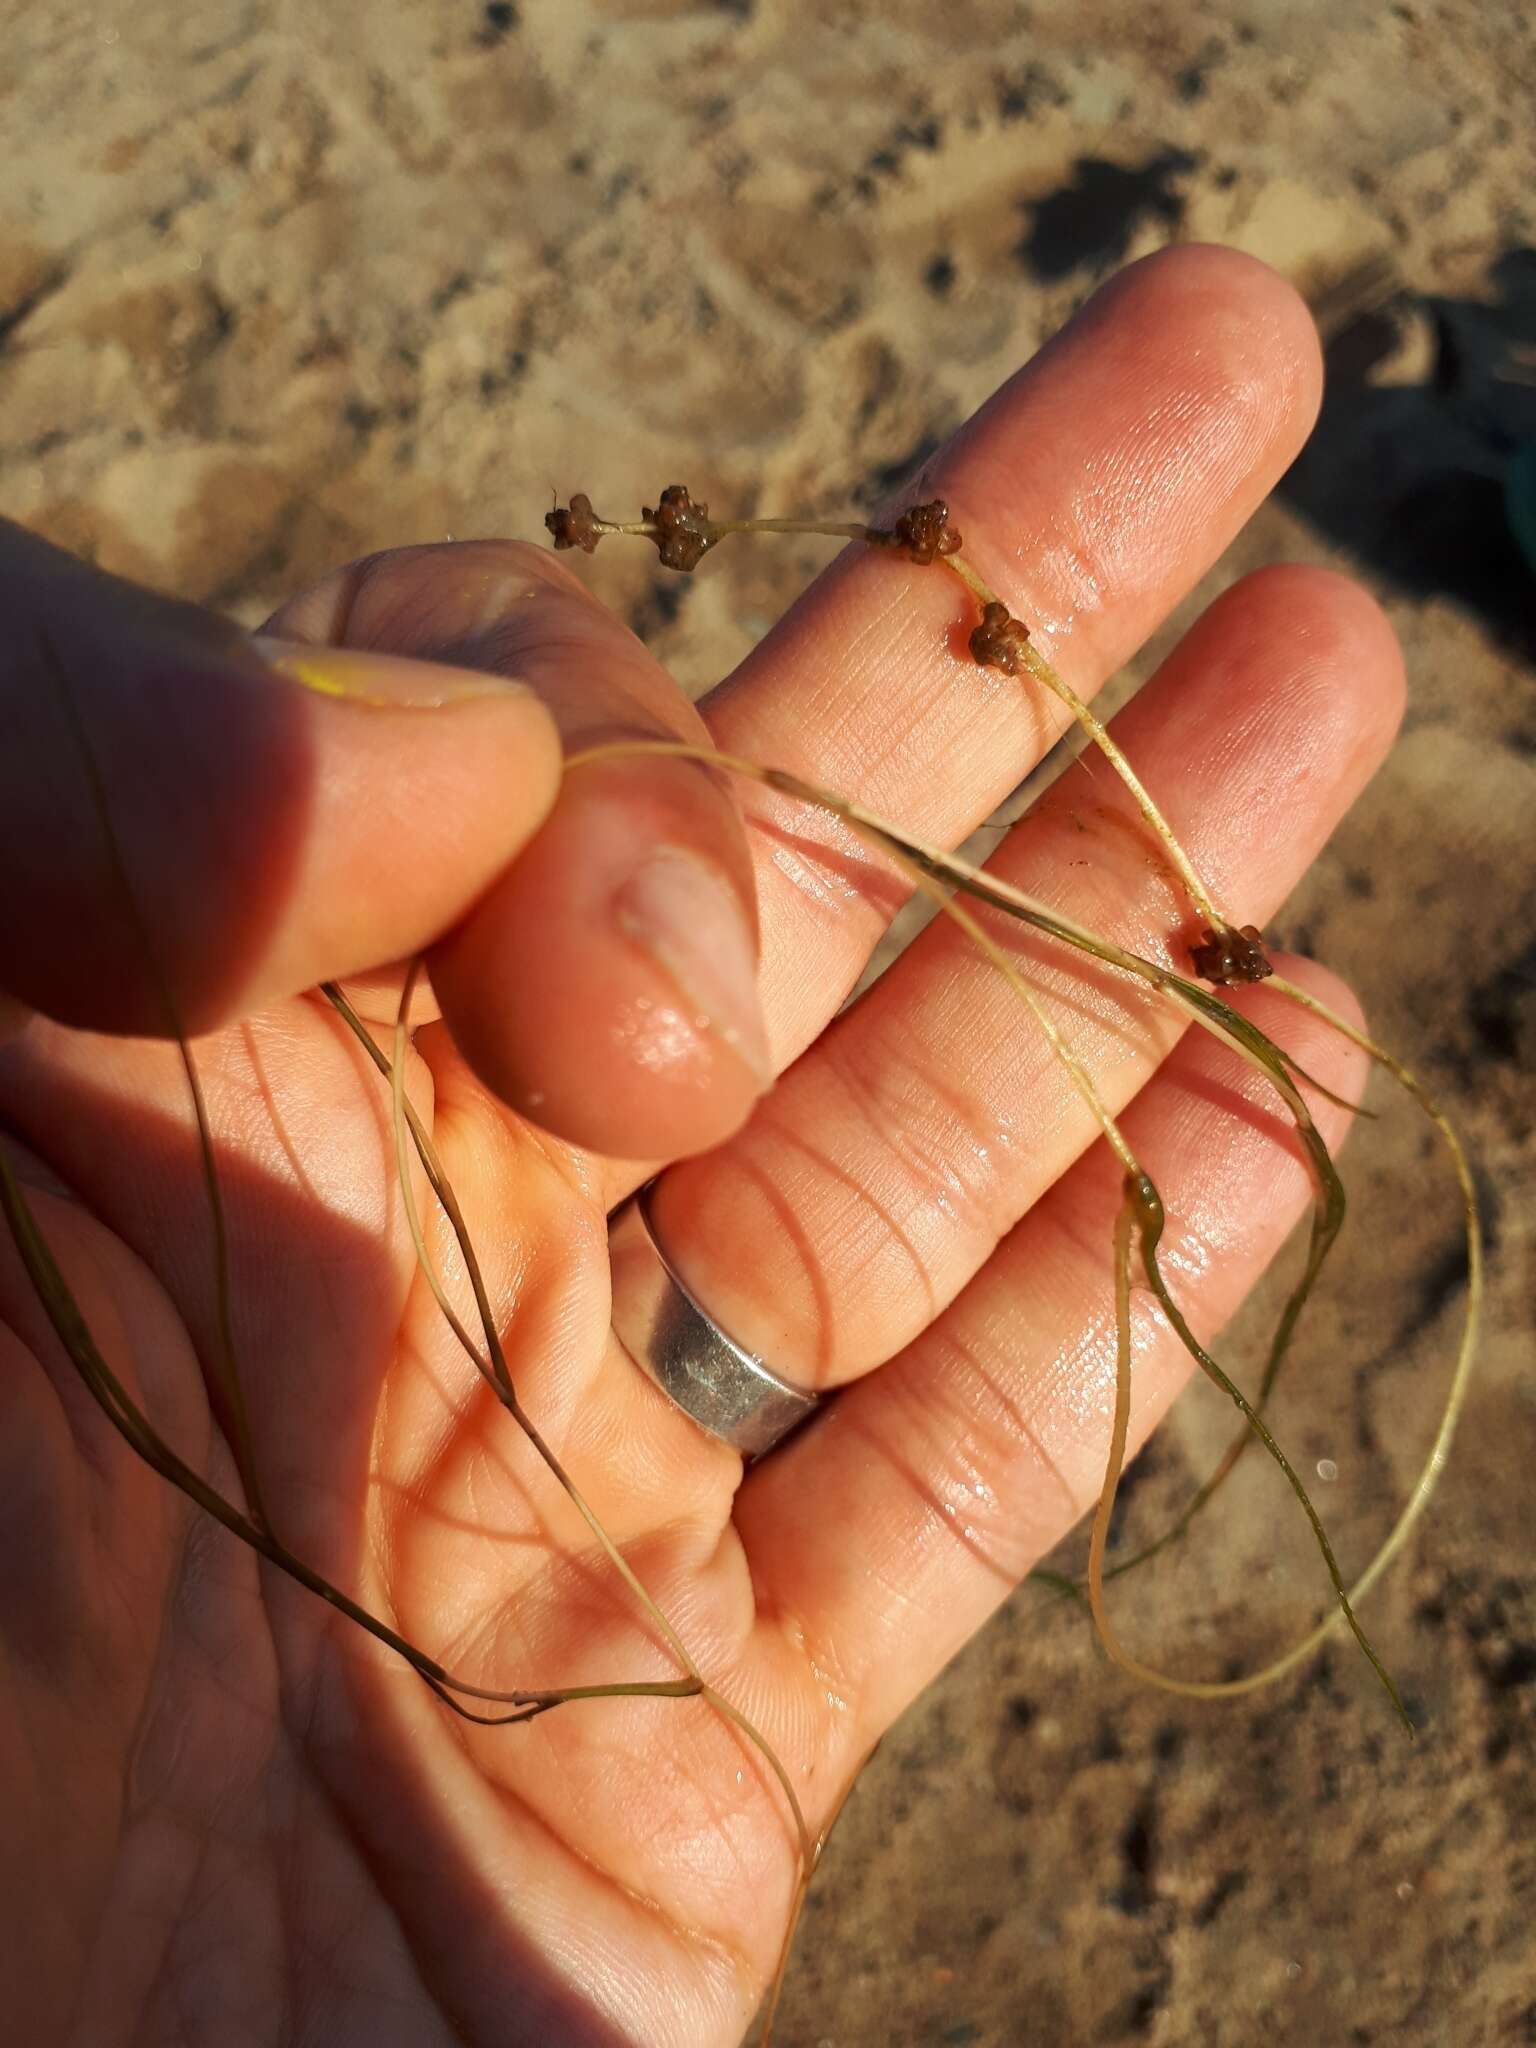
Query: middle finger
[889,1162]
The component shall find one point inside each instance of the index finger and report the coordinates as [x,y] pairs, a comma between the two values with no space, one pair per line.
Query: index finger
[1092,491]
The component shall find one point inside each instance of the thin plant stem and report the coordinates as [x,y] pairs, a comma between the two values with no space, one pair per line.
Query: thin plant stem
[1150,1224]
[226,1372]
[251,1525]
[1461,1377]
[709,531]
[494,1370]
[826,529]
[1126,1218]
[1204,1008]
[1461,1374]
[1148,1218]
[70,1326]
[1045,673]
[808,1871]
[1139,1221]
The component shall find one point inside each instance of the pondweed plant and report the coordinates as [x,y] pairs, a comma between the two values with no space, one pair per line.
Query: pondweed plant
[1225,954]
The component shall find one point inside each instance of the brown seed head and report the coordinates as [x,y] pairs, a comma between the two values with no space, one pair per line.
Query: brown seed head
[683,537]
[575,525]
[1230,956]
[923,532]
[998,642]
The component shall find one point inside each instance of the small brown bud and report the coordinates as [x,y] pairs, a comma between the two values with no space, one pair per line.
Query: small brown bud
[998,642]
[922,533]
[1230,956]
[575,525]
[683,537]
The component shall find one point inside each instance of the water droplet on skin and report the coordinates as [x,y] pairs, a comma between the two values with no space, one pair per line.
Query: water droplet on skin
[1326,1469]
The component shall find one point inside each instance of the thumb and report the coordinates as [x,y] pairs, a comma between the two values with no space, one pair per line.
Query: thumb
[187,833]
[606,983]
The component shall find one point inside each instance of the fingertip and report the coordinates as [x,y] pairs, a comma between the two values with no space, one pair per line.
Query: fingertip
[413,813]
[208,831]
[606,987]
[1356,643]
[1325,652]
[427,598]
[1149,429]
[605,983]
[1264,339]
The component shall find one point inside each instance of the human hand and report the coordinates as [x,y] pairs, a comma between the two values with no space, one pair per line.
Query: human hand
[231,1812]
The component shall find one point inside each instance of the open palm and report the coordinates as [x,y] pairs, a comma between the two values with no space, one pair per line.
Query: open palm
[240,1817]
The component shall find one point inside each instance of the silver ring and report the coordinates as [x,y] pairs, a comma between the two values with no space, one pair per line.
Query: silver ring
[726,1389]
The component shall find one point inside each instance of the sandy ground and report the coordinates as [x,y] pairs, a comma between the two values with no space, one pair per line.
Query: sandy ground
[280,283]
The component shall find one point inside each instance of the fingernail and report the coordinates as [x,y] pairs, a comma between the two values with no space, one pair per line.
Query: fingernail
[688,918]
[388,682]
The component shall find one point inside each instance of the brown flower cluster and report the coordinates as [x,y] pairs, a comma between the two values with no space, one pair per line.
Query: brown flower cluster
[575,525]
[922,533]
[998,642]
[1230,956]
[683,534]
